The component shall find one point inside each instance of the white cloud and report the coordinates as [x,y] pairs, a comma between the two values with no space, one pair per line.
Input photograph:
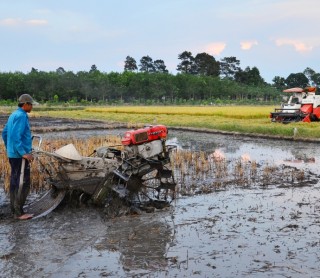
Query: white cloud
[298,45]
[246,45]
[10,22]
[215,48]
[37,22]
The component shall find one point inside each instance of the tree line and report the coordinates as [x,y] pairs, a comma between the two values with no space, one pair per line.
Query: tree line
[200,79]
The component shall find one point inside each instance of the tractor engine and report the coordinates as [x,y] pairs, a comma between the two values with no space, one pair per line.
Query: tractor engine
[145,142]
[150,150]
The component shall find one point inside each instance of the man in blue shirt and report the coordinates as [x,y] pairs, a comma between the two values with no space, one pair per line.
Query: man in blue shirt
[18,142]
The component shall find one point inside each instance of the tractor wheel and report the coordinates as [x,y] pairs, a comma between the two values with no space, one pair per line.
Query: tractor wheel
[153,188]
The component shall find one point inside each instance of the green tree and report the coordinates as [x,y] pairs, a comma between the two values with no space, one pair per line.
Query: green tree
[159,66]
[130,64]
[308,72]
[146,64]
[60,71]
[206,65]
[64,83]
[37,83]
[313,76]
[229,66]
[249,77]
[279,82]
[84,85]
[103,87]
[16,84]
[315,79]
[187,64]
[93,69]
[297,80]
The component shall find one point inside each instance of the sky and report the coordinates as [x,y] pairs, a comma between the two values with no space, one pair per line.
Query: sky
[279,37]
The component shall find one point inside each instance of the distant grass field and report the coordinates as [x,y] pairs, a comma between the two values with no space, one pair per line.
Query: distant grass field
[238,112]
[245,119]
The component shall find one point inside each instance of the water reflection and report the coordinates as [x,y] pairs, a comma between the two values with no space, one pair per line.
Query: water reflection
[142,242]
[258,149]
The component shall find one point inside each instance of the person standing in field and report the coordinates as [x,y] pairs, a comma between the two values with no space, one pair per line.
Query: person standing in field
[18,142]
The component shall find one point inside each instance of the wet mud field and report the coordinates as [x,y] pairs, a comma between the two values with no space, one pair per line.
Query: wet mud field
[234,231]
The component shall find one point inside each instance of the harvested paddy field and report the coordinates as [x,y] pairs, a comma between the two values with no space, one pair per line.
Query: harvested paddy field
[255,216]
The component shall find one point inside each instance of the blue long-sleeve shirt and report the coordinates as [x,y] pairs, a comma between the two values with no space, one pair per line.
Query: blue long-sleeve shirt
[17,134]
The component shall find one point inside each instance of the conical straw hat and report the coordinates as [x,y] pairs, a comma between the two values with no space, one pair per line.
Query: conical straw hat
[69,152]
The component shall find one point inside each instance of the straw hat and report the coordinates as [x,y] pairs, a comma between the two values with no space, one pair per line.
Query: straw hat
[69,152]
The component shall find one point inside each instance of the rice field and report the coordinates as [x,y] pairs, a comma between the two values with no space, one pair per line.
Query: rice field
[243,119]
[236,112]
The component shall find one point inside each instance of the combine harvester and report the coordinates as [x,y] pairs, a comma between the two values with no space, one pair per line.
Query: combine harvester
[303,105]
[138,172]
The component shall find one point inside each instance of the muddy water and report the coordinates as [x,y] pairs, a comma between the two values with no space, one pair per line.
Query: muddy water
[235,232]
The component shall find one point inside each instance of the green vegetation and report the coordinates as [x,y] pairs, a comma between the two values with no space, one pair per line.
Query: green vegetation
[135,88]
[201,80]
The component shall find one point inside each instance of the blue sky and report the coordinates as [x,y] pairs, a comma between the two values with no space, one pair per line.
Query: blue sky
[279,37]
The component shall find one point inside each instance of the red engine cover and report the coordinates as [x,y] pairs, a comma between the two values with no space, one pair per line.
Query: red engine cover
[307,108]
[142,135]
[316,111]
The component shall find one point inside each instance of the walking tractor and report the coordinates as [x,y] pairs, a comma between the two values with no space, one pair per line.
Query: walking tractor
[303,105]
[138,172]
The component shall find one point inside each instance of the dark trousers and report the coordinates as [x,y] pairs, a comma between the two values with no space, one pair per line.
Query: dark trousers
[17,200]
